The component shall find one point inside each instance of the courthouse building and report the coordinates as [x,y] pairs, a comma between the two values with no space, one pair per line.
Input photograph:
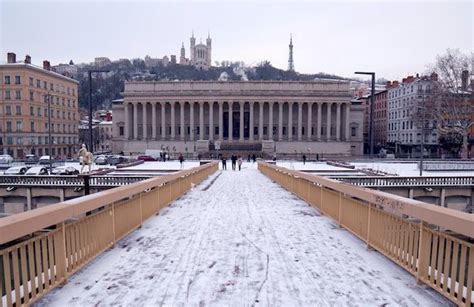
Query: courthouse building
[315,117]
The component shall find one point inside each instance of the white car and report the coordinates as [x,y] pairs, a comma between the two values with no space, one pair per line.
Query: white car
[44,160]
[37,170]
[16,170]
[6,159]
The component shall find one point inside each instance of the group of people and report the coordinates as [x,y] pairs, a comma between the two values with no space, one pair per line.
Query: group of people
[236,161]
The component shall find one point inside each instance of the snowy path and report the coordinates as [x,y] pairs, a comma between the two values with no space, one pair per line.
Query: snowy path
[239,239]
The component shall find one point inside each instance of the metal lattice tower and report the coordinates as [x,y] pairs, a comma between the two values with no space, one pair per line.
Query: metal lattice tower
[291,65]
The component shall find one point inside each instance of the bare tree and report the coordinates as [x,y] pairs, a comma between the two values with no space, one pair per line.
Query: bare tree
[454,97]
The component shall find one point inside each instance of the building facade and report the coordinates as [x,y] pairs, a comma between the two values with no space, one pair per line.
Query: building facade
[267,116]
[404,131]
[25,91]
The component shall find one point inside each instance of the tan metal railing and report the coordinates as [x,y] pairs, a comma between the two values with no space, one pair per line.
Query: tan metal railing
[63,238]
[444,262]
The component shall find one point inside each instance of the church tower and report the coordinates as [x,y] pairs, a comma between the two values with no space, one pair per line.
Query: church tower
[182,58]
[193,45]
[209,48]
[291,65]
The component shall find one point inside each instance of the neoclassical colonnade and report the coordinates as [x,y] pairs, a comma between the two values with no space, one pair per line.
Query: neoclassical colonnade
[250,121]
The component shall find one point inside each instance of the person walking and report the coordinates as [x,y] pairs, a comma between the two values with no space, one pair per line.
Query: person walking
[254,158]
[233,158]
[239,162]
[304,159]
[181,160]
[224,162]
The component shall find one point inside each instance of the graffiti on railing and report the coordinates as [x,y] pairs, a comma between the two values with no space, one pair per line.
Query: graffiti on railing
[390,205]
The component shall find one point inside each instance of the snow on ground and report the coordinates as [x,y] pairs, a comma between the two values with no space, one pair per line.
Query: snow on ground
[408,169]
[321,166]
[239,239]
[168,165]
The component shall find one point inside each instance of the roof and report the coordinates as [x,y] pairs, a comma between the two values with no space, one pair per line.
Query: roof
[39,69]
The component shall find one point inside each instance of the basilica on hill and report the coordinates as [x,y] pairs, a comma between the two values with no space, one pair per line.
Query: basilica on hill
[200,54]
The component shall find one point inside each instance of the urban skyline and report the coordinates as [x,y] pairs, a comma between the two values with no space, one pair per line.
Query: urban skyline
[353,26]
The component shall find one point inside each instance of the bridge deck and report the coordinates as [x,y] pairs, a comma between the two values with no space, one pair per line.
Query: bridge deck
[238,239]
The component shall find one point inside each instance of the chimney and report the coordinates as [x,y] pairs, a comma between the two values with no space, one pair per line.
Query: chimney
[11,57]
[434,77]
[388,84]
[46,65]
[464,79]
[27,59]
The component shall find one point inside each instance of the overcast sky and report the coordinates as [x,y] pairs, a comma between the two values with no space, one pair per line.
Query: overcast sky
[393,38]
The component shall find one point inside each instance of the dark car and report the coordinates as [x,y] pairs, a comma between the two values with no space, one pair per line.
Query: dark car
[146,158]
[65,170]
[114,160]
[31,159]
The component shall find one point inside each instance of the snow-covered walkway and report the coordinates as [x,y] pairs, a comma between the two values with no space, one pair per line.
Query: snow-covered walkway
[239,239]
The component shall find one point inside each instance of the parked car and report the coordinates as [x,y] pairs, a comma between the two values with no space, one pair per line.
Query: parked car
[65,170]
[31,159]
[37,171]
[114,160]
[45,160]
[6,159]
[146,158]
[16,170]
[101,160]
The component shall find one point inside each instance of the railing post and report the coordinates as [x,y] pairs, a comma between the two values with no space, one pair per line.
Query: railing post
[369,227]
[339,218]
[423,254]
[141,209]
[60,254]
[114,236]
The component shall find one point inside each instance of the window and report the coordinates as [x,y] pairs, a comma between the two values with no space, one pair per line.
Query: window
[64,114]
[31,96]
[19,126]
[57,100]
[353,131]
[7,79]
[51,86]
[32,111]
[32,126]
[9,126]
[18,110]
[7,95]
[38,83]
[121,131]
[38,111]
[45,85]
[17,80]
[64,101]
[8,110]
[31,81]
[17,95]
[58,114]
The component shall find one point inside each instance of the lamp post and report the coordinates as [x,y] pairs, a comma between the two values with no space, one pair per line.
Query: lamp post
[91,141]
[372,106]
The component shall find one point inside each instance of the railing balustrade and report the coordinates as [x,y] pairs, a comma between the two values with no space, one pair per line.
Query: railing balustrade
[395,181]
[41,248]
[441,259]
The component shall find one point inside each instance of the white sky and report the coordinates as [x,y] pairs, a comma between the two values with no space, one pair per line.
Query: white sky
[392,38]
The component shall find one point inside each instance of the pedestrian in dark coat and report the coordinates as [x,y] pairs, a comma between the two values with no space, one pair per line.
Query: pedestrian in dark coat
[254,158]
[304,159]
[224,162]
[234,161]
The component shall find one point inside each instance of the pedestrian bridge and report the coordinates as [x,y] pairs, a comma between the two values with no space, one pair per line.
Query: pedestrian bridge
[209,237]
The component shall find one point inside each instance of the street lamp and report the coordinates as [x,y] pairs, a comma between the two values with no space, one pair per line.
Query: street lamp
[91,141]
[372,106]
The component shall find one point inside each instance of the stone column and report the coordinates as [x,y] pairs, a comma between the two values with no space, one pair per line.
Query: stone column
[201,120]
[241,128]
[173,120]
[328,122]
[221,121]
[191,120]
[181,120]
[211,120]
[230,103]
[318,132]
[260,124]
[338,122]
[310,121]
[144,120]
[251,121]
[153,120]
[300,121]
[280,121]
[163,120]
[270,120]
[348,108]
[135,120]
[290,120]
[127,121]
